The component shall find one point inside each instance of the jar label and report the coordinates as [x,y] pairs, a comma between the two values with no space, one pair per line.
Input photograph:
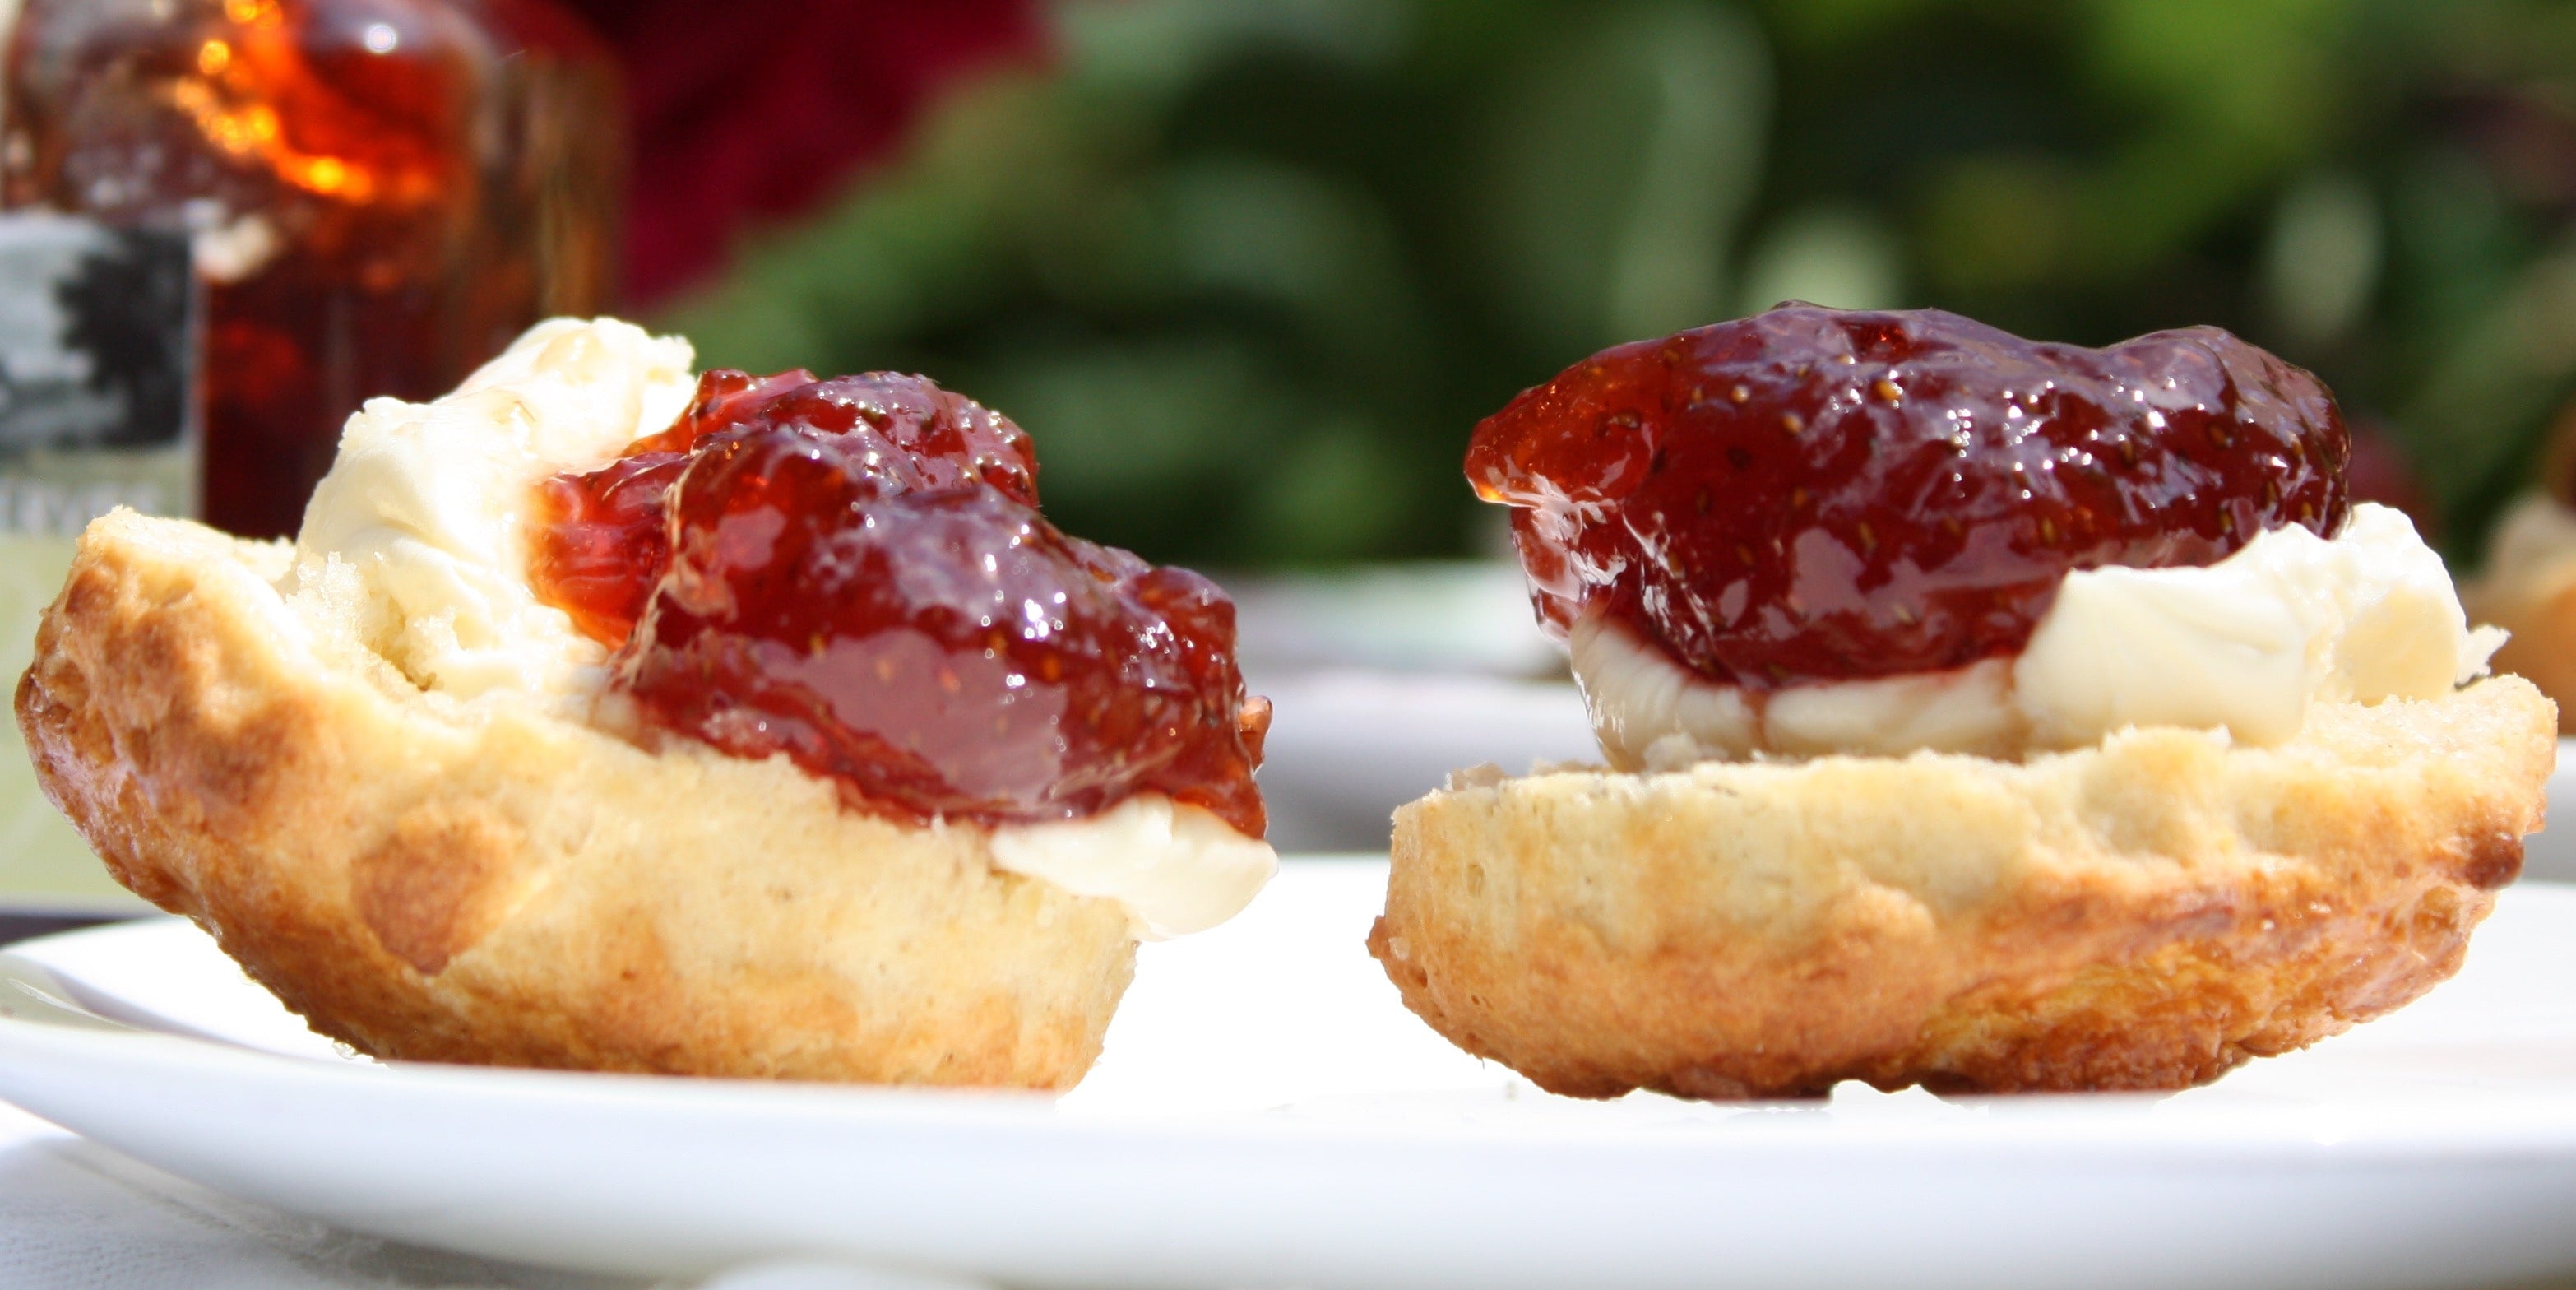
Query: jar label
[97,351]
[98,409]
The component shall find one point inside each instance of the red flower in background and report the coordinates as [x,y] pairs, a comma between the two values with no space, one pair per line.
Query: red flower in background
[751,111]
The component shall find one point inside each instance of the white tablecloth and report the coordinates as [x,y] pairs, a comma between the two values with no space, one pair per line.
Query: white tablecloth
[77,1216]
[74,1216]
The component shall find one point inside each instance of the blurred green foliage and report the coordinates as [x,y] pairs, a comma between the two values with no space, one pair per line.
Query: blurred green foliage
[1251,270]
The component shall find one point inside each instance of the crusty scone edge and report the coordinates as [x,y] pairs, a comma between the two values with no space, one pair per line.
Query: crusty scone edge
[453,884]
[2144,915]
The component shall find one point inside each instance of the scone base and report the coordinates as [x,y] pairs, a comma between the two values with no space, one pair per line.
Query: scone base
[2146,914]
[435,882]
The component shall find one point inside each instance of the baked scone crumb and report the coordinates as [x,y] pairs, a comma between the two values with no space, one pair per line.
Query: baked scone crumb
[2144,914]
[488,882]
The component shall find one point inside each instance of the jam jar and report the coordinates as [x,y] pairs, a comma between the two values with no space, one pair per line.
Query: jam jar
[380,194]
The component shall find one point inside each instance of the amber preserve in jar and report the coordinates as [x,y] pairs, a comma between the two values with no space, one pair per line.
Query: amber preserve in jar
[380,194]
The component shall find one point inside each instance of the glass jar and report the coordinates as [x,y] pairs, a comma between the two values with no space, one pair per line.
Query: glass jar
[381,193]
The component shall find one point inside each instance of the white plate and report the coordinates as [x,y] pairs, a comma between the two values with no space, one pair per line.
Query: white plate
[2551,854]
[1268,1115]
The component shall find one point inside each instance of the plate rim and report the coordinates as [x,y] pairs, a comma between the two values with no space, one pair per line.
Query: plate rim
[2149,1126]
[1632,1192]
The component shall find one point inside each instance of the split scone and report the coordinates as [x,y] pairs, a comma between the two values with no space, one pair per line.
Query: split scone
[1981,714]
[602,718]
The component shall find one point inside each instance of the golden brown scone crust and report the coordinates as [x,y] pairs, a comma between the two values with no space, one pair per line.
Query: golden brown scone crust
[430,882]
[2144,914]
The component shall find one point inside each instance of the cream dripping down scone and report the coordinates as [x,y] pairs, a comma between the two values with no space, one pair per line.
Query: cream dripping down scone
[1980,714]
[610,718]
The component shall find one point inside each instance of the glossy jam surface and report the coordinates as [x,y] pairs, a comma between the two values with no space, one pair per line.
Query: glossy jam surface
[853,572]
[1811,495]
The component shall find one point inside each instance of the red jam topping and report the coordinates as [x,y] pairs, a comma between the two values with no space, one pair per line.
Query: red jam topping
[1811,495]
[853,572]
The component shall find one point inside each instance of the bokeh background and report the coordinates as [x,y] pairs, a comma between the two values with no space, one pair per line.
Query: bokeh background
[1250,270]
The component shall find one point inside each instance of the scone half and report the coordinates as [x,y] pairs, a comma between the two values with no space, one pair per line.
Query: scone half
[450,882]
[2146,913]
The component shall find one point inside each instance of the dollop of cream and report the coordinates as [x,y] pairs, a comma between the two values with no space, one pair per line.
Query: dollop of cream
[2244,645]
[1178,868]
[416,542]
[426,506]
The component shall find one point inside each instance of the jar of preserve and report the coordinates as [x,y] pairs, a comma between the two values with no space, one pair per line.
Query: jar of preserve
[379,194]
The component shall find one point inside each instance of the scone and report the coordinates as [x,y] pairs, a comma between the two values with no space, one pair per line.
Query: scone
[1980,714]
[602,718]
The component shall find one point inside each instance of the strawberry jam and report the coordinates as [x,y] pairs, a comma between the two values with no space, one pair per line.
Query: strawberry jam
[1811,495]
[854,572]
